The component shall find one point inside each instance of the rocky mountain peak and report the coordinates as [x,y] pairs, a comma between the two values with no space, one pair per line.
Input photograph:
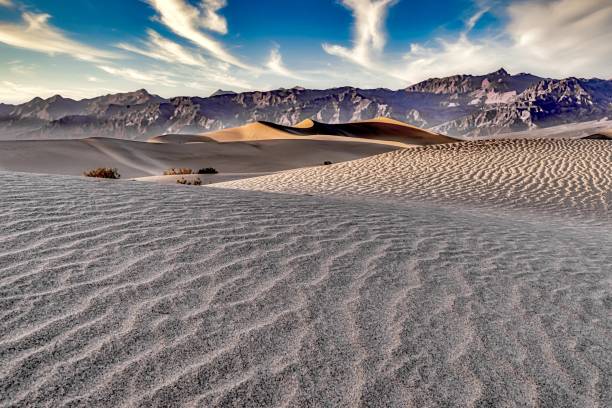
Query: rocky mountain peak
[221,92]
[500,72]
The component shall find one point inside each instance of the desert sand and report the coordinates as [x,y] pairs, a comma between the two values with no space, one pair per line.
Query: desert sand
[468,275]
[140,159]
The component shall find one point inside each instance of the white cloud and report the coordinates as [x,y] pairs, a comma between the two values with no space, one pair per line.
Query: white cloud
[36,34]
[557,38]
[163,49]
[6,3]
[187,21]
[548,37]
[571,36]
[369,35]
[276,65]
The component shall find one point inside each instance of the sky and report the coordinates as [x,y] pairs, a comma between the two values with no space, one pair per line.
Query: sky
[85,48]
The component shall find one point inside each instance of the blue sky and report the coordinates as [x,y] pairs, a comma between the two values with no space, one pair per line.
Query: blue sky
[82,48]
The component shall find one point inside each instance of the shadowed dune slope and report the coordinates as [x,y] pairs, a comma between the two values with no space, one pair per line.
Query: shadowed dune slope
[602,135]
[132,294]
[381,130]
[557,176]
[138,159]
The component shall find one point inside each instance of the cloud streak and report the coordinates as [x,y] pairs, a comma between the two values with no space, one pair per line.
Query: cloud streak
[162,49]
[36,34]
[188,21]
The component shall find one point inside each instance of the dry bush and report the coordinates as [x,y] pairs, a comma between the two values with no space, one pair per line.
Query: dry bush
[103,172]
[194,182]
[178,171]
[327,163]
[208,170]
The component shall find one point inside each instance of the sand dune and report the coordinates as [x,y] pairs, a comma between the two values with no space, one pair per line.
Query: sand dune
[134,294]
[560,176]
[380,130]
[139,159]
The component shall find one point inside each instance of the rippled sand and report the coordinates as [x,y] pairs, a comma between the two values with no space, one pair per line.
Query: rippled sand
[552,176]
[138,294]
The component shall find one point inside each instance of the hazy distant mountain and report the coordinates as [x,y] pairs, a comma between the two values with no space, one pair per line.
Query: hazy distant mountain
[458,105]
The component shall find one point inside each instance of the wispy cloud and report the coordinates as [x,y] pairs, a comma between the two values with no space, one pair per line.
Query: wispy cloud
[6,3]
[160,48]
[369,36]
[276,65]
[35,33]
[188,21]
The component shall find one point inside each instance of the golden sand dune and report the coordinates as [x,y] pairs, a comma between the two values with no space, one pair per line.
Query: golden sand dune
[141,295]
[139,159]
[380,130]
[553,175]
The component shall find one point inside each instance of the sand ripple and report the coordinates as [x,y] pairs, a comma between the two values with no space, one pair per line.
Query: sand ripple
[554,176]
[129,294]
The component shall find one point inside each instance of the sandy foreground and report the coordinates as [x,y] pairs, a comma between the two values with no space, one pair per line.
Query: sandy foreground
[374,285]
[140,159]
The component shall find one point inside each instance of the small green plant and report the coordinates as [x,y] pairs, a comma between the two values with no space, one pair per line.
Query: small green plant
[178,171]
[185,182]
[103,172]
[327,163]
[208,170]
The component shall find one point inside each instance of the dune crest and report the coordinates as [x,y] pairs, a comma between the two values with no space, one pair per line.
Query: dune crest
[378,131]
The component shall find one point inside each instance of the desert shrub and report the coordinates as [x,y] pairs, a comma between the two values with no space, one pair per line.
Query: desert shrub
[194,182]
[178,171]
[208,170]
[103,172]
[327,163]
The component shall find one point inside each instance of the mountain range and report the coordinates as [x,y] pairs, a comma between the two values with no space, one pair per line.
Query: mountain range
[459,105]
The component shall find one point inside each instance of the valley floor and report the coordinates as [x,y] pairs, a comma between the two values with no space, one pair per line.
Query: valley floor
[139,294]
